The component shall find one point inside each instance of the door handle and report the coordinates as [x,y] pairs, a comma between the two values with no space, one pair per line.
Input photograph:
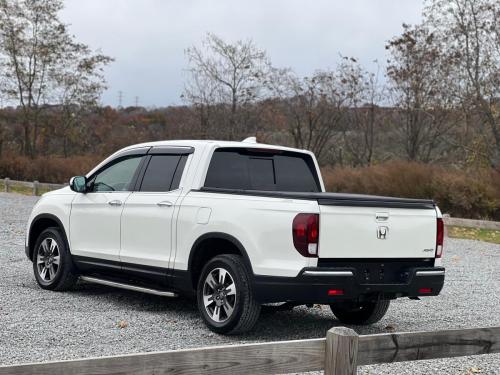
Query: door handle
[116,202]
[165,204]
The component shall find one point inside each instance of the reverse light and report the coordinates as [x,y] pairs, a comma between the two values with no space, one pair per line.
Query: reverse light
[439,238]
[305,232]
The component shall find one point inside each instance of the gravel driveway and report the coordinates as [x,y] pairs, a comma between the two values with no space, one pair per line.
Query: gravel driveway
[38,325]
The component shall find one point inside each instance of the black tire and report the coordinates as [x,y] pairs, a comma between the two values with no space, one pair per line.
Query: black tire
[360,313]
[245,309]
[64,276]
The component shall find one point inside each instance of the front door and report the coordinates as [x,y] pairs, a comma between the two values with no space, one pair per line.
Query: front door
[95,215]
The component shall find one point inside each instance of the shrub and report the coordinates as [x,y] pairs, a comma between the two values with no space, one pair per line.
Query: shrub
[52,169]
[461,193]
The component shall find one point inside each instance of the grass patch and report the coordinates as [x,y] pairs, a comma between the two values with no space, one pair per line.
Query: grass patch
[488,235]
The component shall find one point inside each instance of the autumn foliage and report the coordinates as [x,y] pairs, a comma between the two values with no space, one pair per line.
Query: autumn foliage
[473,193]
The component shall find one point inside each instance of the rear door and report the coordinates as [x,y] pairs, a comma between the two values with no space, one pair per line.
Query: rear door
[147,219]
[376,232]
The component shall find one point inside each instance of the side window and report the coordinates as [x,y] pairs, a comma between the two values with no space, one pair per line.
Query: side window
[117,177]
[228,169]
[244,169]
[295,173]
[163,173]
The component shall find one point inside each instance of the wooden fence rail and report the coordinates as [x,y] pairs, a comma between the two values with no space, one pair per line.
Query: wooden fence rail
[36,186]
[338,354]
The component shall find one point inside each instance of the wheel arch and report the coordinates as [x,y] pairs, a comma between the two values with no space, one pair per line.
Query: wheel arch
[210,245]
[38,225]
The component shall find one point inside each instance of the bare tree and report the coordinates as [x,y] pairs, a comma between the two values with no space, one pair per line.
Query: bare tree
[316,106]
[421,93]
[35,47]
[78,84]
[225,77]
[469,34]
[362,125]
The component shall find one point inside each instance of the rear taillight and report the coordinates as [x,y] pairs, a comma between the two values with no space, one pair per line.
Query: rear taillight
[305,231]
[439,238]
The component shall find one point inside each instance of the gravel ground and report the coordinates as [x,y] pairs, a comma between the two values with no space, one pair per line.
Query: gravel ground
[38,325]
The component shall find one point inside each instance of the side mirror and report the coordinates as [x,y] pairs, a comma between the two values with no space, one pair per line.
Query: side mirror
[78,184]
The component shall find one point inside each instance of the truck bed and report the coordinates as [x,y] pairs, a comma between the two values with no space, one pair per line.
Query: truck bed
[366,226]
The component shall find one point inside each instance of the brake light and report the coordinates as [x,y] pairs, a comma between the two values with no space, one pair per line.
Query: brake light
[439,238]
[336,292]
[425,291]
[305,232]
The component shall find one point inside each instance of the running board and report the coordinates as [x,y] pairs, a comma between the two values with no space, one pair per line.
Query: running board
[134,288]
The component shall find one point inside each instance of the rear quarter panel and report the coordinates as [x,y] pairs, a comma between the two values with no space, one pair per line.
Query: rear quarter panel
[262,225]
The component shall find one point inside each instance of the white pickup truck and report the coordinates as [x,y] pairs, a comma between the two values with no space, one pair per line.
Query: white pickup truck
[238,225]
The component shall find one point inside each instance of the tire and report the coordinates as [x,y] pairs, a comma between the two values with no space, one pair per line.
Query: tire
[51,253]
[238,311]
[360,313]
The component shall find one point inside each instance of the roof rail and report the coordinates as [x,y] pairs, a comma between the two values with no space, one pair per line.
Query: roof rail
[250,140]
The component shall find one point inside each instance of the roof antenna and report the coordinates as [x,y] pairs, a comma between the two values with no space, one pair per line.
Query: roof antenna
[250,140]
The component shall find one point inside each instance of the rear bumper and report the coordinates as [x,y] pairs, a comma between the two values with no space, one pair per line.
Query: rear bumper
[312,285]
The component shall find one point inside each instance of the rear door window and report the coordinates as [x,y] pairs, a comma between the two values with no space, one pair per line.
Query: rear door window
[246,169]
[163,173]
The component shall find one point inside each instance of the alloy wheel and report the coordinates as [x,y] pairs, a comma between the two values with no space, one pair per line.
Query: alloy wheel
[48,260]
[219,295]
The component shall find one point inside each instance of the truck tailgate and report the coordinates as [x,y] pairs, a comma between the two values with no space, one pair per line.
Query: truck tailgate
[376,232]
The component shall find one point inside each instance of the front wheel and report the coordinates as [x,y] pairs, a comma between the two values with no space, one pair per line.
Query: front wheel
[225,297]
[360,313]
[52,262]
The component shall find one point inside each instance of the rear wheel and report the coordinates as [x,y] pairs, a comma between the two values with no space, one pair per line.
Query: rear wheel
[361,313]
[52,262]
[225,297]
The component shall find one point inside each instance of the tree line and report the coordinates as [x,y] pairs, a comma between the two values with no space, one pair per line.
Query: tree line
[436,99]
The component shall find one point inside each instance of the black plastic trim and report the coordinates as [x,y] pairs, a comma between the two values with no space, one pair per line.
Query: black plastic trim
[221,236]
[29,248]
[333,199]
[125,271]
[314,289]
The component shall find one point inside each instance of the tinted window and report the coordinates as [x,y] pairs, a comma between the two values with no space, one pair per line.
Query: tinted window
[296,173]
[228,170]
[261,173]
[160,173]
[117,177]
[233,168]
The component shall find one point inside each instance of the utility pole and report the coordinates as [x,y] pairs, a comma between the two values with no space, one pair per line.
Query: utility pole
[120,98]
[136,101]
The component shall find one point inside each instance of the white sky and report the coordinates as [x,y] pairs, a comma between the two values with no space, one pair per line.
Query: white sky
[148,37]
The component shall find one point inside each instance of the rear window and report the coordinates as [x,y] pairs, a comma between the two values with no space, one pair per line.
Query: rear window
[253,169]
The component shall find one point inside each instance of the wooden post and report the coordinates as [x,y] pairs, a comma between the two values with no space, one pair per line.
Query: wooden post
[341,351]
[36,187]
[7,183]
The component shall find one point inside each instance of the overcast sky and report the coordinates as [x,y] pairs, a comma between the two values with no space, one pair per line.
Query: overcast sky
[148,37]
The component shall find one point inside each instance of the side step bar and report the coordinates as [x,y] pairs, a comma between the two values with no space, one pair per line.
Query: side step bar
[134,288]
